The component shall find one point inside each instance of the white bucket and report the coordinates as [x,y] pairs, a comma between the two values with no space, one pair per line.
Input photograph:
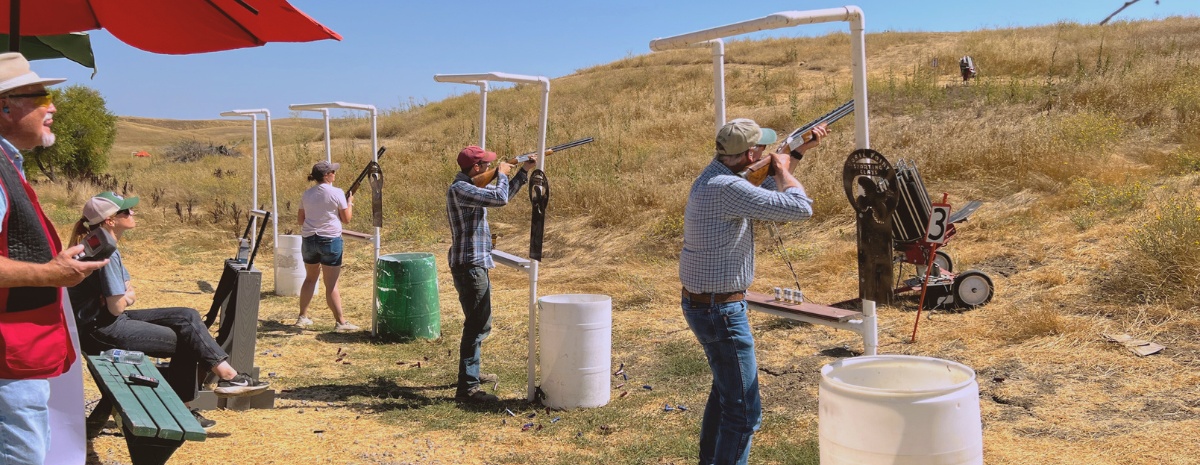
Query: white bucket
[576,346]
[899,410]
[289,265]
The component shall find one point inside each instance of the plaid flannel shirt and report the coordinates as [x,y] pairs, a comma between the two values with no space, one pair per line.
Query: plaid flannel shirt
[466,206]
[718,236]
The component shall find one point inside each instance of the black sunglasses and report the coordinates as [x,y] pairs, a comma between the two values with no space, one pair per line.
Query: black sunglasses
[35,94]
[125,212]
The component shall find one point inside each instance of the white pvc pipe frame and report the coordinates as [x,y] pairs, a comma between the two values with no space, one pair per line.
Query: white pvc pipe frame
[481,80]
[712,38]
[253,115]
[324,109]
[867,327]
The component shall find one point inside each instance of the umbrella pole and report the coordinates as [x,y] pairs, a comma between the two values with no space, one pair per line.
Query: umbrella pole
[14,25]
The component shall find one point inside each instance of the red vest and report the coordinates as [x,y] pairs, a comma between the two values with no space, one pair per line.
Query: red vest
[34,340]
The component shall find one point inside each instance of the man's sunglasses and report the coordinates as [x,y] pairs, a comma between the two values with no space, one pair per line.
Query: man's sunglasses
[42,99]
[125,212]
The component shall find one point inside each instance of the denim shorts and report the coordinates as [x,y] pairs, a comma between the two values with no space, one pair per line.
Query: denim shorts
[320,249]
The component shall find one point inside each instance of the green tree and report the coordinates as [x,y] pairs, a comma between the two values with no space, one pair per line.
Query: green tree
[84,132]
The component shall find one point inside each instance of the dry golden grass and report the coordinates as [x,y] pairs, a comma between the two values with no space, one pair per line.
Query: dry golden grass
[1076,137]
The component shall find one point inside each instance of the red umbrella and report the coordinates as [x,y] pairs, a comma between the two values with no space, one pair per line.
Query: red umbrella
[168,26]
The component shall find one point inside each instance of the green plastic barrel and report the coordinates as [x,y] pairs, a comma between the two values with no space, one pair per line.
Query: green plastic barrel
[407,287]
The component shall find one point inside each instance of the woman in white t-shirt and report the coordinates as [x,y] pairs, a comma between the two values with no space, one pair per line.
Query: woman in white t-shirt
[323,209]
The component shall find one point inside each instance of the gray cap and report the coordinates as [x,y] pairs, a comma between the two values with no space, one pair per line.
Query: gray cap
[323,168]
[740,135]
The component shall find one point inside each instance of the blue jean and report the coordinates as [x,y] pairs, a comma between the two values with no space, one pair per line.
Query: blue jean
[24,421]
[734,409]
[475,294]
[320,249]
[174,332]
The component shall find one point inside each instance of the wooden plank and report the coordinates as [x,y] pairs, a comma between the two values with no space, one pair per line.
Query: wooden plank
[168,428]
[358,236]
[807,309]
[192,431]
[112,385]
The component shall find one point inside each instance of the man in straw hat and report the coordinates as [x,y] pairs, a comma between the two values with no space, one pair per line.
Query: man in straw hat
[717,266]
[34,338]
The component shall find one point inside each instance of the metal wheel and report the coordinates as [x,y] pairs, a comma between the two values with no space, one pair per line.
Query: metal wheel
[942,260]
[972,289]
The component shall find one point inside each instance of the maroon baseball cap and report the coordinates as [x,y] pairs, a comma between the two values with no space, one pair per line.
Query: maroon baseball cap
[469,156]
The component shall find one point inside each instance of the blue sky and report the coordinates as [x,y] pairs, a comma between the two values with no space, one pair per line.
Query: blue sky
[392,49]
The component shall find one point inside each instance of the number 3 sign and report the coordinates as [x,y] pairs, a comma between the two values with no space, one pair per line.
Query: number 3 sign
[935,232]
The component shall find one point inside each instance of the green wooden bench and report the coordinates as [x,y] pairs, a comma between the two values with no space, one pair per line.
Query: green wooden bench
[155,422]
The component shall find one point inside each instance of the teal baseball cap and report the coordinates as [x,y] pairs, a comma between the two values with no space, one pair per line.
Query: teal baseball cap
[105,205]
[741,134]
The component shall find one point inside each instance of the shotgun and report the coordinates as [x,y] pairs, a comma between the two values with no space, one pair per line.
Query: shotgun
[486,177]
[758,171]
[371,167]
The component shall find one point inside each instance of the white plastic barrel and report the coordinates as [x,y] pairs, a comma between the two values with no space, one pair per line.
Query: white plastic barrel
[576,349]
[899,410]
[289,265]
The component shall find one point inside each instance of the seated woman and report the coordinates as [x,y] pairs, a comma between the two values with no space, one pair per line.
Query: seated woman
[100,304]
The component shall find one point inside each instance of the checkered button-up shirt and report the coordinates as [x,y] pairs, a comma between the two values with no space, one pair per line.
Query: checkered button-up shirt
[466,206]
[718,236]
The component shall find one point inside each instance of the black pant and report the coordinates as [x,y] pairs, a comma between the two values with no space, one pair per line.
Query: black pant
[174,332]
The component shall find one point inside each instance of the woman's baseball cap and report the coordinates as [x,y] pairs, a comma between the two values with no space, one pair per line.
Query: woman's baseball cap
[323,168]
[104,205]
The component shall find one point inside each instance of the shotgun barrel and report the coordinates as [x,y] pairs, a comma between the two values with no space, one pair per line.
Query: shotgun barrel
[758,171]
[366,170]
[488,176]
[796,138]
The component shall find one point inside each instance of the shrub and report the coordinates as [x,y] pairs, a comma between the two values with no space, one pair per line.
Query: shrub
[1170,243]
[84,130]
[189,150]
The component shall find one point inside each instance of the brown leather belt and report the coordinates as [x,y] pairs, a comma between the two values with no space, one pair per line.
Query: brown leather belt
[715,298]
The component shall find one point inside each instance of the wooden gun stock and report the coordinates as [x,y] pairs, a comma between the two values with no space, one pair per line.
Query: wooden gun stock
[758,171]
[486,177]
[363,175]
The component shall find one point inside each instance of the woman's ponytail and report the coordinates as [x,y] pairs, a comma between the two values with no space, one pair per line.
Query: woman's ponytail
[78,231]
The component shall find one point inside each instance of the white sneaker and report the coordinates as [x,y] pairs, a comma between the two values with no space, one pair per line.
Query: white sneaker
[347,326]
[303,322]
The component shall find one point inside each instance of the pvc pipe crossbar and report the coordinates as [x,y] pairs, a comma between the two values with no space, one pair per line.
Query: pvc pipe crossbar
[324,109]
[253,115]
[852,14]
[530,266]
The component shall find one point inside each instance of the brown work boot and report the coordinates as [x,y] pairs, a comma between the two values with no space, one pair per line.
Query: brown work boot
[488,378]
[475,395]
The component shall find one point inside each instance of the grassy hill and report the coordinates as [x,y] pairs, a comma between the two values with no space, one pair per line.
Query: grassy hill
[1083,141]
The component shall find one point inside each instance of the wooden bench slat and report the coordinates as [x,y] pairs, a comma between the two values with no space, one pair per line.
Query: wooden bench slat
[168,428]
[806,309]
[112,385]
[192,431]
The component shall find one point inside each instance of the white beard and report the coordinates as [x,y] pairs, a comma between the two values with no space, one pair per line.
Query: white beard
[48,136]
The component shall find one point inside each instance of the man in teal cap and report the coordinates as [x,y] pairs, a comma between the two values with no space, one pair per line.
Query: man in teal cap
[717,266]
